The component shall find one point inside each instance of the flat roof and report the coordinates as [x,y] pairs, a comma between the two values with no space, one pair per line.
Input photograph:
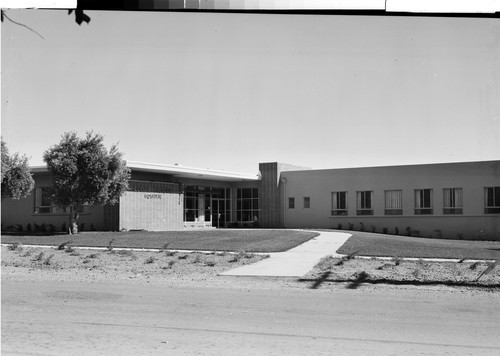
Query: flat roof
[180,172]
[192,172]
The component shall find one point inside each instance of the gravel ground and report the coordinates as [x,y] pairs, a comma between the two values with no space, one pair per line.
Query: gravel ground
[196,268]
[398,271]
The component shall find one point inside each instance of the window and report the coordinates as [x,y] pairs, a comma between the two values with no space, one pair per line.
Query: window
[423,201]
[247,204]
[339,203]
[393,202]
[191,204]
[452,201]
[291,203]
[364,201]
[44,205]
[492,200]
[307,202]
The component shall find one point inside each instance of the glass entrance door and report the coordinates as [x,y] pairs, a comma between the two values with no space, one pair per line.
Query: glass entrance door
[218,210]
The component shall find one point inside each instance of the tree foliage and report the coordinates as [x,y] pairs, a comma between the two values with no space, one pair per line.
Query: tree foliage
[85,173]
[17,181]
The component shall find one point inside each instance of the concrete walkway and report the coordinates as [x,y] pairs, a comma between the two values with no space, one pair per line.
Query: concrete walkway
[297,261]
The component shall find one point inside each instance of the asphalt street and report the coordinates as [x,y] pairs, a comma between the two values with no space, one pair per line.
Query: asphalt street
[79,318]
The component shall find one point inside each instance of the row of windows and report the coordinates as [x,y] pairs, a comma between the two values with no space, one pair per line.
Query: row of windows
[215,203]
[423,202]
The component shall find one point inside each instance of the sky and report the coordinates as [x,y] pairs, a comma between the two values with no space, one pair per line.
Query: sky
[227,91]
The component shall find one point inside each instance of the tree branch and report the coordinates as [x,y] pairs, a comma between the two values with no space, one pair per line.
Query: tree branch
[20,24]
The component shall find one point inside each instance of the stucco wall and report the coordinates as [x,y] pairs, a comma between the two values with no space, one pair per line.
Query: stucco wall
[471,177]
[20,212]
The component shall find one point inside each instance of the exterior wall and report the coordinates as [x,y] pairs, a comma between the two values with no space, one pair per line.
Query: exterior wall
[20,212]
[270,197]
[151,211]
[472,177]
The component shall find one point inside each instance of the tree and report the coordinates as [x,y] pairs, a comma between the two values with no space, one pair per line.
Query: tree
[17,181]
[85,173]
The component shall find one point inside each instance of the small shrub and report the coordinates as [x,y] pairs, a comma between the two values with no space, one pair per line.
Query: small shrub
[125,253]
[339,227]
[182,257]
[19,228]
[385,230]
[38,257]
[149,260]
[362,227]
[169,253]
[164,248]
[210,263]
[396,231]
[110,245]
[69,249]
[396,260]
[62,246]
[169,265]
[43,228]
[351,226]
[85,261]
[93,255]
[409,231]
[197,258]
[27,253]
[482,235]
[439,233]
[92,227]
[48,260]
[13,246]
[51,228]
[475,265]
[416,233]
[29,228]
[460,236]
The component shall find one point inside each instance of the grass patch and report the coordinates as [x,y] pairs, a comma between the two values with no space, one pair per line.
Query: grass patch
[211,240]
[404,246]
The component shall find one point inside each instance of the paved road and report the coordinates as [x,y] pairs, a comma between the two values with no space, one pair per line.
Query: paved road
[75,318]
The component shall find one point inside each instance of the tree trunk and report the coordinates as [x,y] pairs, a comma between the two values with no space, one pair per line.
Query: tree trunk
[73,217]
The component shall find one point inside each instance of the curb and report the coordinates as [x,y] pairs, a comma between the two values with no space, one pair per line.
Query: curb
[143,249]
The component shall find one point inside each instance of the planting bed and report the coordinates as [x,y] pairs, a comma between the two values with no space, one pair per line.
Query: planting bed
[397,271]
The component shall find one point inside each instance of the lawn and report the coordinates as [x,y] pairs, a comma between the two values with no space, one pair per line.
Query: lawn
[370,244]
[209,240]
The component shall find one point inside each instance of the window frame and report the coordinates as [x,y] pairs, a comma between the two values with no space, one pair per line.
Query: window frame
[39,208]
[391,211]
[363,199]
[495,208]
[247,205]
[307,202]
[456,207]
[336,211]
[291,202]
[423,209]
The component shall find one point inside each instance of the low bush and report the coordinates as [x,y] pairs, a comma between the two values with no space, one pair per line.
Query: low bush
[38,257]
[14,246]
